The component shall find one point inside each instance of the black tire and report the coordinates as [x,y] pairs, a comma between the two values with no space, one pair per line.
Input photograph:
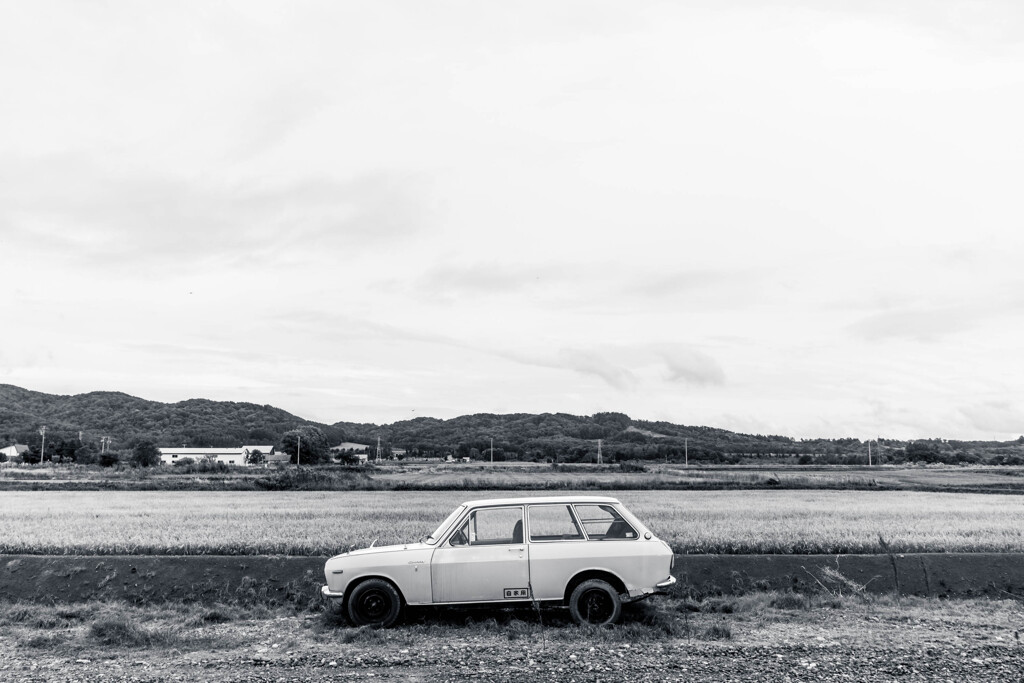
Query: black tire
[594,602]
[375,603]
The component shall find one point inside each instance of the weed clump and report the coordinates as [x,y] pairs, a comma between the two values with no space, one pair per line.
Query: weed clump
[719,631]
[122,632]
[42,641]
[216,616]
[718,606]
[791,601]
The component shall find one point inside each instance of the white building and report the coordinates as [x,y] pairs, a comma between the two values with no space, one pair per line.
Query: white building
[360,451]
[228,456]
[14,451]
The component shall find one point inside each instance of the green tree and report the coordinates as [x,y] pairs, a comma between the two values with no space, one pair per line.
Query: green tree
[85,455]
[255,457]
[146,454]
[109,458]
[309,442]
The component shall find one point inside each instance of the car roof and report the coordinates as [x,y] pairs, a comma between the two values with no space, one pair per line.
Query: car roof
[532,500]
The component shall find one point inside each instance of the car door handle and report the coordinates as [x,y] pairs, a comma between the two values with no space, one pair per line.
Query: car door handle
[516,550]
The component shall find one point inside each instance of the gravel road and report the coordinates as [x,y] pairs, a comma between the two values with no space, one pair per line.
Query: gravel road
[969,641]
[492,660]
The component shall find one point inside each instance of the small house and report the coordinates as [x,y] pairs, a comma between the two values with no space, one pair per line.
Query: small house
[14,452]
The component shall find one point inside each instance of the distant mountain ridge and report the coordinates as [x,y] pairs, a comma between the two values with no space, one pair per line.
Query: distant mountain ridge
[522,436]
[124,418]
[201,422]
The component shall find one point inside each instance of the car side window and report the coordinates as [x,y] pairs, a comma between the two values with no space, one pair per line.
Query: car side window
[553,523]
[491,526]
[460,537]
[603,523]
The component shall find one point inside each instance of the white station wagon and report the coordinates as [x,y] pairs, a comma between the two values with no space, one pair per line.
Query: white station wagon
[586,552]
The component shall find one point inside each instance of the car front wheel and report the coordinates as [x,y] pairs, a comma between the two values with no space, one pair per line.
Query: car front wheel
[374,602]
[595,602]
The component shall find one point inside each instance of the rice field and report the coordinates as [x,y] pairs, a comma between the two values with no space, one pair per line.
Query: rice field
[323,523]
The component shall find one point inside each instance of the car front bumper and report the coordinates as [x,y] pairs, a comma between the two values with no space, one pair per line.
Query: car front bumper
[328,594]
[667,583]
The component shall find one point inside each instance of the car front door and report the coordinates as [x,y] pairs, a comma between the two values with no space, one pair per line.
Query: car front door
[484,560]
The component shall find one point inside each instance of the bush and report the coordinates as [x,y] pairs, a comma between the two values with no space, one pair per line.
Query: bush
[146,454]
[109,459]
[86,455]
[201,466]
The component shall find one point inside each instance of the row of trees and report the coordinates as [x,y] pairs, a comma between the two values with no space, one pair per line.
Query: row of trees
[548,437]
[142,454]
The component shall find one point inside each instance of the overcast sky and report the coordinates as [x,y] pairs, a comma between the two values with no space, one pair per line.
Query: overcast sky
[793,217]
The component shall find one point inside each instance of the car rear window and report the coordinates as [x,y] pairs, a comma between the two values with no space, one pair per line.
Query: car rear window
[603,523]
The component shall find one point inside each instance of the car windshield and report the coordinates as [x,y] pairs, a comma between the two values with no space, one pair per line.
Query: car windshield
[432,538]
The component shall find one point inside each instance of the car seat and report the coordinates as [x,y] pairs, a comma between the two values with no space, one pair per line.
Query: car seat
[619,529]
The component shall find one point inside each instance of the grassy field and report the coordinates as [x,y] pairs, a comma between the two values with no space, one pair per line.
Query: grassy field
[521,477]
[323,523]
[677,477]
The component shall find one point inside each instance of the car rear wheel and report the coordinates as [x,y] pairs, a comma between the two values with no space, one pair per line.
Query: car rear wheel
[595,602]
[374,602]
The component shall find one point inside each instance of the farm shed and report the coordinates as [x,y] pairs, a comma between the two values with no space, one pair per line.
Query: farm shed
[228,456]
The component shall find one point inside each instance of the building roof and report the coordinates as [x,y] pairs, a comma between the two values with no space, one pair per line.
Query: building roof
[203,451]
[219,451]
[349,445]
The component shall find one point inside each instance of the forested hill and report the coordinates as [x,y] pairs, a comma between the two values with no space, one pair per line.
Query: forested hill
[574,438]
[126,419]
[200,422]
[548,435]
[523,436]
[526,436]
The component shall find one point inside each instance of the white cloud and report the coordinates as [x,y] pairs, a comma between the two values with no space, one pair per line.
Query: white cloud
[776,216]
[996,417]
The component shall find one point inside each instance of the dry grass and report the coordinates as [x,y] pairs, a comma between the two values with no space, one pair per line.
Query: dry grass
[322,523]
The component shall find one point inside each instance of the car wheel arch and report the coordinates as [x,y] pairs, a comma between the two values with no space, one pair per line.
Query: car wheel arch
[363,579]
[605,575]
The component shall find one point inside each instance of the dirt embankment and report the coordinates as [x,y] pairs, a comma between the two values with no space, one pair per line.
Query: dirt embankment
[278,580]
[141,579]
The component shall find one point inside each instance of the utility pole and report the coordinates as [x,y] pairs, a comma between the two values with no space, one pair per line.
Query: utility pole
[378,449]
[492,451]
[599,451]
[686,452]
[42,449]
[869,452]
[298,451]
